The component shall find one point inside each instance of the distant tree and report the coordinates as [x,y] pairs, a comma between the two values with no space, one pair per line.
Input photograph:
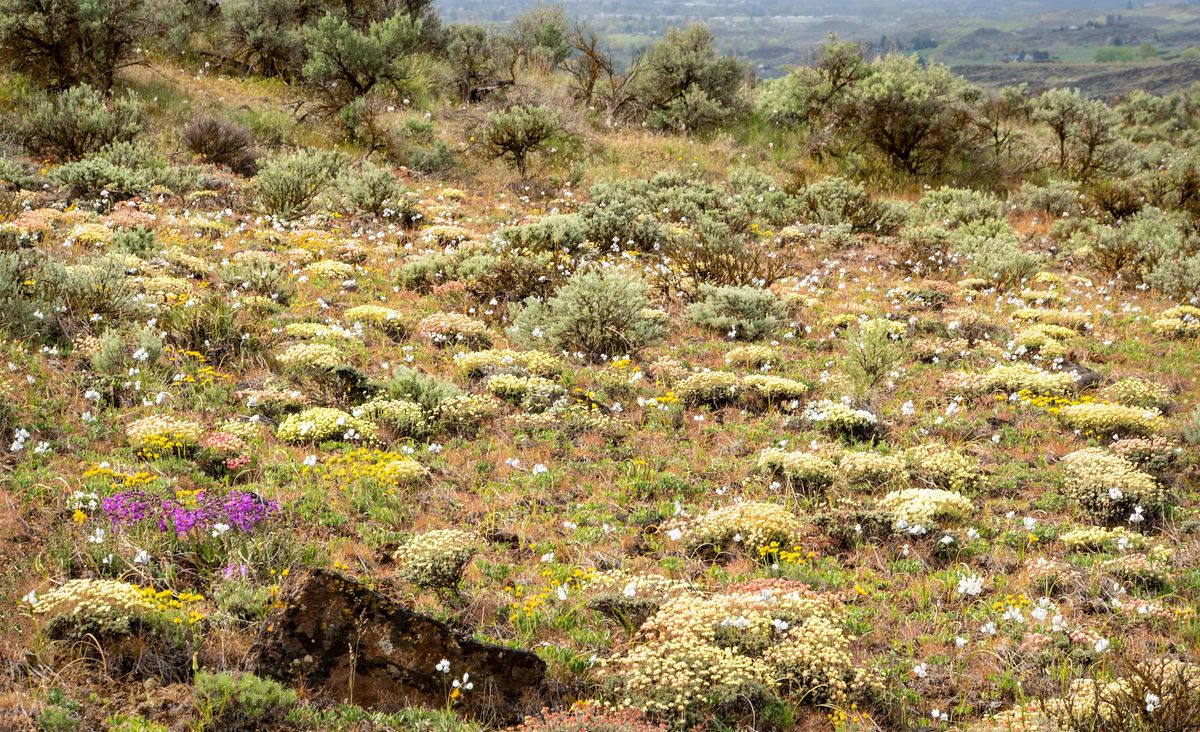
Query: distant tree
[1098,146]
[472,53]
[267,36]
[345,64]
[541,36]
[810,94]
[1085,131]
[79,121]
[1000,121]
[514,134]
[597,80]
[685,85]
[63,43]
[919,116]
[1058,109]
[270,37]
[589,64]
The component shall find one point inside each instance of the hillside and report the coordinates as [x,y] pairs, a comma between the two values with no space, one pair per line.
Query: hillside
[363,372]
[1093,80]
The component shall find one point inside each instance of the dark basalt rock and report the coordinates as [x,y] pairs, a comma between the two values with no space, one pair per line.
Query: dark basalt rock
[1084,377]
[335,636]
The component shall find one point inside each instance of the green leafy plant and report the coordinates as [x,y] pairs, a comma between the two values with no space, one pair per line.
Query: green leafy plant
[685,85]
[288,185]
[242,701]
[61,44]
[77,121]
[596,315]
[741,313]
[517,133]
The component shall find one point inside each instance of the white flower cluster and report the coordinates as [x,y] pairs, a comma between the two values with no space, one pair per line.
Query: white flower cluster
[750,526]
[917,509]
[318,424]
[1109,487]
[840,418]
[436,559]
[300,357]
[1112,420]
[803,470]
[749,642]
[475,364]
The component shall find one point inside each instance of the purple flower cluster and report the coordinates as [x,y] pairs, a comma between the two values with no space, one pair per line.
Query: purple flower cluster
[128,507]
[244,510]
[190,512]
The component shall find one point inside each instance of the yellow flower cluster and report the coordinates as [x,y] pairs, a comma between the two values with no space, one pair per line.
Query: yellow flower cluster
[161,433]
[91,234]
[405,418]
[871,468]
[1182,321]
[772,389]
[467,412]
[244,429]
[93,597]
[1043,297]
[1044,338]
[371,314]
[749,525]
[329,269]
[752,357]
[301,357]
[708,387]
[1109,486]
[180,605]
[194,266]
[1106,420]
[1019,377]
[475,364]
[445,234]
[383,317]
[924,506]
[1135,392]
[445,329]
[165,287]
[804,470]
[272,399]
[116,478]
[572,419]
[940,467]
[1094,704]
[436,559]
[317,424]
[1147,570]
[113,600]
[1052,404]
[1149,453]
[626,597]
[386,468]
[839,418]
[318,331]
[1074,320]
[1098,538]
[698,652]
[515,388]
[635,585]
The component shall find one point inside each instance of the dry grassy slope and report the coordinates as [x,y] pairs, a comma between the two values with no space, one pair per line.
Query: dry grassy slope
[601,502]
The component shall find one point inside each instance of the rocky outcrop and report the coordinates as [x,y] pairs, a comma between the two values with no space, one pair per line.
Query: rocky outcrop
[335,636]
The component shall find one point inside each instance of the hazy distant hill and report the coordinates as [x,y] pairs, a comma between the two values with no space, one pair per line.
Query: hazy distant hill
[1093,80]
[1104,46]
